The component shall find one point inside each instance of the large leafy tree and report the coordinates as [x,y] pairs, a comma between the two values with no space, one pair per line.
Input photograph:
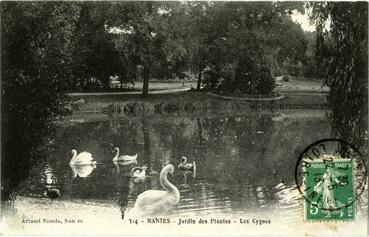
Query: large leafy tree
[95,56]
[246,38]
[342,29]
[198,41]
[140,37]
[175,26]
[36,62]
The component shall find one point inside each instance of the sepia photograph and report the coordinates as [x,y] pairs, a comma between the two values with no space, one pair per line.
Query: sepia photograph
[184,118]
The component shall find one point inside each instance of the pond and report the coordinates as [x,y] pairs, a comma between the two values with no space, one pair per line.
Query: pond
[244,162]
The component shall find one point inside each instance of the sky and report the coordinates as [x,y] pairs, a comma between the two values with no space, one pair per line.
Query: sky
[303,20]
[296,16]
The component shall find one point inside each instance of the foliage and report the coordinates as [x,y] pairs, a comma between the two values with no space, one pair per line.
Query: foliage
[248,78]
[312,67]
[95,57]
[265,81]
[141,37]
[36,67]
[142,40]
[166,39]
[198,42]
[343,43]
[250,36]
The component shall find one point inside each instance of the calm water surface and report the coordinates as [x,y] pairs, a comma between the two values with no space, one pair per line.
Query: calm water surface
[244,162]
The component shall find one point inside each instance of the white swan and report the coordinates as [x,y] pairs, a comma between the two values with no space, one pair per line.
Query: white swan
[155,202]
[83,158]
[187,166]
[139,172]
[125,158]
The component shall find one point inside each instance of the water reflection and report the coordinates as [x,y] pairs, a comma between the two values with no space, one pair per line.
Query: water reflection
[188,175]
[49,183]
[125,162]
[48,177]
[289,201]
[243,162]
[82,171]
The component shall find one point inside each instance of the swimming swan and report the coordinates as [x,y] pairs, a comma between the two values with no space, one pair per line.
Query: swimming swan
[139,172]
[125,158]
[154,202]
[83,158]
[186,166]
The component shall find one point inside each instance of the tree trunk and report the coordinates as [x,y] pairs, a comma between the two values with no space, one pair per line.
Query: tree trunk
[145,86]
[199,79]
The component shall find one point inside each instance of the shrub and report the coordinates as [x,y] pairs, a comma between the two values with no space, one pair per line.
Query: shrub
[246,77]
[211,79]
[254,79]
[265,81]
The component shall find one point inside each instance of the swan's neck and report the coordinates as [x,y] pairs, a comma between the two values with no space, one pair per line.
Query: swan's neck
[73,160]
[116,153]
[167,185]
[74,170]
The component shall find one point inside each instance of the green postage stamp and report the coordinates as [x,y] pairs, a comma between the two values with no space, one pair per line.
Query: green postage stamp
[329,187]
[330,175]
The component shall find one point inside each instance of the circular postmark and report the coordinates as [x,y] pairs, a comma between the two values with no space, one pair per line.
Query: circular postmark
[331,174]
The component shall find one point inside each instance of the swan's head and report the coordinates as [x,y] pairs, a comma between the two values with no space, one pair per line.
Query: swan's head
[169,168]
[115,150]
[73,152]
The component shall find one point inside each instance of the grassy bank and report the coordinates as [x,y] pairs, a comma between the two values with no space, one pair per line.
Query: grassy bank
[294,84]
[290,100]
[186,104]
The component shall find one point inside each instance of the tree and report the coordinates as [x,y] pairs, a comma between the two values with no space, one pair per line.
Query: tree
[141,38]
[197,37]
[95,56]
[342,29]
[247,38]
[312,64]
[36,67]
[175,26]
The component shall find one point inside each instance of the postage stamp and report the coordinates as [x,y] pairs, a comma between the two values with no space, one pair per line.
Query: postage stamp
[329,174]
[329,184]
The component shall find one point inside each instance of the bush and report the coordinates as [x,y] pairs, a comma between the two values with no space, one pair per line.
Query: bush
[211,79]
[265,81]
[254,79]
[246,77]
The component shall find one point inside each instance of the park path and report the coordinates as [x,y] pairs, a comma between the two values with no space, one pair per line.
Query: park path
[291,87]
[171,91]
[130,92]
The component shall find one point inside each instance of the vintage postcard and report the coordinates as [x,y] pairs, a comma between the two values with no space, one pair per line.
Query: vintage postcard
[168,118]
